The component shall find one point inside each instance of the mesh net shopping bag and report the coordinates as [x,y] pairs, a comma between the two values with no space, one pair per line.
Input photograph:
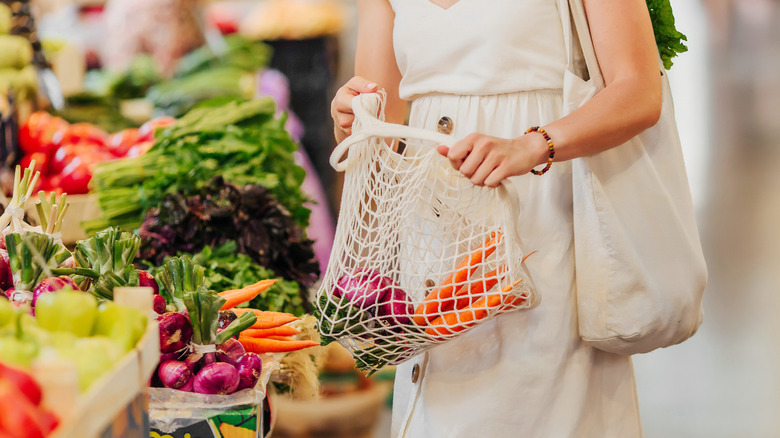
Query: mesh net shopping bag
[421,255]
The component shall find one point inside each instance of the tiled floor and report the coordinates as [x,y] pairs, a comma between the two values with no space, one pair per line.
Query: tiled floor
[725,381]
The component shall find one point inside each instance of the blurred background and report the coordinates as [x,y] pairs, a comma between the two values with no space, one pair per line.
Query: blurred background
[109,59]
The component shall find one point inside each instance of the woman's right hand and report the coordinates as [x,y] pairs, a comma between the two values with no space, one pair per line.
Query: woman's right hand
[341,106]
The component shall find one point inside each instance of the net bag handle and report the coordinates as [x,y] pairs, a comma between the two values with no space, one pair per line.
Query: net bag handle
[368,107]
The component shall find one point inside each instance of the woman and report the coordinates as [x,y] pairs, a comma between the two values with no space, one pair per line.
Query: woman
[488,70]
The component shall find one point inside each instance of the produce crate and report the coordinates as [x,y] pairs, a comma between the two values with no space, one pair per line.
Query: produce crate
[115,405]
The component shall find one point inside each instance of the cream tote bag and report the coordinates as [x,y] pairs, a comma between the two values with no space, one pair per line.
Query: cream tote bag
[640,270]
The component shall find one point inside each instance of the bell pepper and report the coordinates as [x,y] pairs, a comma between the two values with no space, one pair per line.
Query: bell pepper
[67,311]
[123,325]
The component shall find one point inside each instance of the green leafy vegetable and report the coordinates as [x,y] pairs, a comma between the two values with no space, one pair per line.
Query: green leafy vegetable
[667,37]
[242,141]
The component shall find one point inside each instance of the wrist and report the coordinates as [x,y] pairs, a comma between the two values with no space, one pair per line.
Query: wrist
[543,149]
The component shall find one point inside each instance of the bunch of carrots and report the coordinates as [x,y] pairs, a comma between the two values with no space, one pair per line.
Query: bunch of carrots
[271,333]
[460,302]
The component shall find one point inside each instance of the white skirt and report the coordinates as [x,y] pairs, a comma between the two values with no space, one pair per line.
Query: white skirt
[526,373]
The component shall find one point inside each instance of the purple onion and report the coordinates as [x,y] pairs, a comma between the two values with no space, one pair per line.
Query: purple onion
[176,355]
[6,276]
[226,317]
[229,351]
[217,378]
[52,284]
[145,279]
[175,332]
[174,374]
[395,307]
[249,367]
[194,362]
[159,304]
[363,287]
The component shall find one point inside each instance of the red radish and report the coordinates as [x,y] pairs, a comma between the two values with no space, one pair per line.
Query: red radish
[145,279]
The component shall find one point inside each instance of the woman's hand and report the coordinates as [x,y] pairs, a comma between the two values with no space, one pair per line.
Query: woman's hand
[487,160]
[341,106]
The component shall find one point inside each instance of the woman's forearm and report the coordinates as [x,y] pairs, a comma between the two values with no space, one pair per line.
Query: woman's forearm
[619,112]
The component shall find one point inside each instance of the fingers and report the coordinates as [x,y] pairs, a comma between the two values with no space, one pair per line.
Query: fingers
[360,85]
[341,106]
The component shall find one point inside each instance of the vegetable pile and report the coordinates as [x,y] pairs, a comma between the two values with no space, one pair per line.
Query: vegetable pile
[207,345]
[66,154]
[247,220]
[242,141]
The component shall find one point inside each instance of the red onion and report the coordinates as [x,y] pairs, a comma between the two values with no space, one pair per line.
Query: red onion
[229,351]
[217,378]
[174,374]
[70,262]
[159,304]
[194,362]
[395,308]
[145,279]
[175,332]
[249,368]
[52,284]
[176,355]
[363,287]
[6,277]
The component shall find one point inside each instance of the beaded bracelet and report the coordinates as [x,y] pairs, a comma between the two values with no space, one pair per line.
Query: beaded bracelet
[550,146]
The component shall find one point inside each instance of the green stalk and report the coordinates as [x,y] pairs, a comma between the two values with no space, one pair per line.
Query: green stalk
[238,325]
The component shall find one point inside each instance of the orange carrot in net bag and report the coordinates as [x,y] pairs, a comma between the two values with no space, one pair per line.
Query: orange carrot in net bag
[441,298]
[459,320]
[235,297]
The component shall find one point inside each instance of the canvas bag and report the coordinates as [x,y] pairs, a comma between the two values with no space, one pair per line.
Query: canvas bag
[640,270]
[408,223]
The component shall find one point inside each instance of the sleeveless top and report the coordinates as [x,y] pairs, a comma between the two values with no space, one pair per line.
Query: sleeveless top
[478,47]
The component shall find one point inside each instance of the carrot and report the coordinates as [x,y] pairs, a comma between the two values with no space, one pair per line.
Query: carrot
[456,321]
[284,330]
[440,300]
[235,297]
[280,338]
[468,293]
[267,320]
[265,345]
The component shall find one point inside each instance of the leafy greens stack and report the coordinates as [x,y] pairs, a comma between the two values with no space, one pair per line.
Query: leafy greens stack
[242,141]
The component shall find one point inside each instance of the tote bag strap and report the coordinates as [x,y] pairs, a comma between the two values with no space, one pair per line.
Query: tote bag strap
[581,43]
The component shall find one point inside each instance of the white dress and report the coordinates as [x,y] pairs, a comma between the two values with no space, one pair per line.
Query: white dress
[496,67]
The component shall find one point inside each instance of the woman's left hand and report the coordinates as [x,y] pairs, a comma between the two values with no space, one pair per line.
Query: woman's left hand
[487,160]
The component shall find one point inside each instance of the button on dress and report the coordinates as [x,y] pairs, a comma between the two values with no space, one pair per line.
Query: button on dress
[497,67]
